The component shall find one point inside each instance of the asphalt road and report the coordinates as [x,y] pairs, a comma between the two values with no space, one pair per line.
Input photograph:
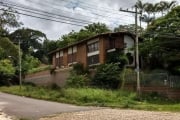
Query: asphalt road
[23,107]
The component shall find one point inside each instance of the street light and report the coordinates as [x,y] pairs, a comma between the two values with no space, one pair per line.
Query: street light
[20,69]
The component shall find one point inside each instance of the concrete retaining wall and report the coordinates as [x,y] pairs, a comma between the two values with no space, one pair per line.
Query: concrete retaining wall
[45,78]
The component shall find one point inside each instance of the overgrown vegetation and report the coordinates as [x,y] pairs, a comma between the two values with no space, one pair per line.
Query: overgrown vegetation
[78,76]
[39,69]
[95,97]
[107,76]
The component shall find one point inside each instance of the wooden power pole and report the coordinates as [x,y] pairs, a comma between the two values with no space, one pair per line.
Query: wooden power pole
[136,47]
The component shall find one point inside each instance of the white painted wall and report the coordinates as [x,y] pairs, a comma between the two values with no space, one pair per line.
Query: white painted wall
[130,43]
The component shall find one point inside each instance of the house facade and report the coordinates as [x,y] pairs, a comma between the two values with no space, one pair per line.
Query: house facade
[94,50]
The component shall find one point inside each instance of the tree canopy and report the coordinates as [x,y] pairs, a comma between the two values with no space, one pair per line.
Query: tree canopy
[130,28]
[8,20]
[162,40]
[86,32]
[7,48]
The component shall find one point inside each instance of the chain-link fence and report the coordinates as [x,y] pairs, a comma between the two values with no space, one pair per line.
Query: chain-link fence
[153,80]
[174,82]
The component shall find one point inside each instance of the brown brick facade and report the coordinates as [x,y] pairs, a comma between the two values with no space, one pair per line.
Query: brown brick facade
[102,49]
[81,55]
[119,42]
[65,56]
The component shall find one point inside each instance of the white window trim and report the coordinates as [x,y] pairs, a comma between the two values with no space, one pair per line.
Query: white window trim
[70,50]
[94,64]
[71,63]
[61,53]
[111,50]
[74,49]
[93,53]
[57,54]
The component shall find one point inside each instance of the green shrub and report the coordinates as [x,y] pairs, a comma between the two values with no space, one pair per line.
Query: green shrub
[79,69]
[107,76]
[78,76]
[77,80]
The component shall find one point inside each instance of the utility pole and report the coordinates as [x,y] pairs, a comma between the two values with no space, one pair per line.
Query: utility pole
[136,46]
[20,76]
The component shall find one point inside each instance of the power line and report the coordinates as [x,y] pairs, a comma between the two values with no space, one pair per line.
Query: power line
[38,10]
[42,18]
[57,9]
[86,8]
[66,16]
[95,3]
[103,9]
[30,11]
[22,6]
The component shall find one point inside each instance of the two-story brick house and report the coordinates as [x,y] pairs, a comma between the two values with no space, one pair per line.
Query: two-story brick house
[94,50]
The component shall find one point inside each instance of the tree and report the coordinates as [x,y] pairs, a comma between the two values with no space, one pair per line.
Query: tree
[129,28]
[6,67]
[107,76]
[8,20]
[147,19]
[7,48]
[147,9]
[166,6]
[6,71]
[29,63]
[162,41]
[140,6]
[96,28]
[86,32]
[30,41]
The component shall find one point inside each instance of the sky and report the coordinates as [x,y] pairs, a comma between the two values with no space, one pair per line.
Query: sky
[83,12]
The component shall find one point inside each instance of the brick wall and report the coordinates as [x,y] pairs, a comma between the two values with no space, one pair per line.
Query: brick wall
[65,58]
[102,49]
[82,54]
[119,41]
[54,60]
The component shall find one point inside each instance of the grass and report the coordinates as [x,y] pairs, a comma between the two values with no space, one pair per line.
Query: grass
[93,97]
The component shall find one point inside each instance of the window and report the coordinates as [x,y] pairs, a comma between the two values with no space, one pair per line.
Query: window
[57,59]
[72,54]
[61,59]
[111,43]
[93,47]
[93,59]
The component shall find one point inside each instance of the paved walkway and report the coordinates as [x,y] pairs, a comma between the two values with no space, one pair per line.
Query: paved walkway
[23,107]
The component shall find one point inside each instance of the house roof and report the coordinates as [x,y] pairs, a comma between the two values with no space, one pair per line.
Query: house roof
[99,35]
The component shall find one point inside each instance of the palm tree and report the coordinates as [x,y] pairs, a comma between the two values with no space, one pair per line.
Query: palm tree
[140,6]
[147,19]
[155,9]
[171,5]
[166,6]
[149,8]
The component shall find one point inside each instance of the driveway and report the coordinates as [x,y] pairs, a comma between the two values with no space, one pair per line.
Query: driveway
[23,107]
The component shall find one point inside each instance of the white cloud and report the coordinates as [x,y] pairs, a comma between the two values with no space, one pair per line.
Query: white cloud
[78,9]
